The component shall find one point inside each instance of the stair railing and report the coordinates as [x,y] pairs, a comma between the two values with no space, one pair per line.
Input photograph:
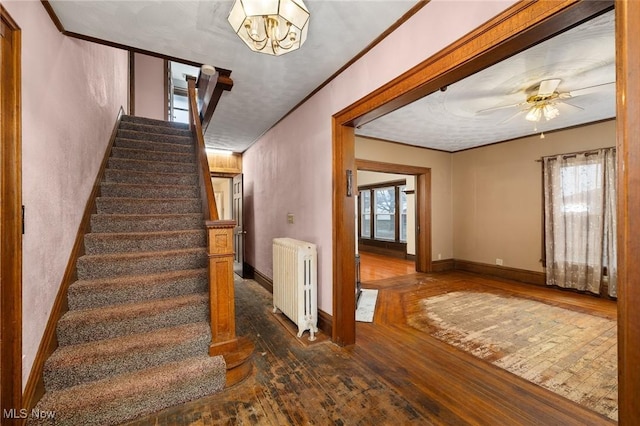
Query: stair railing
[219,246]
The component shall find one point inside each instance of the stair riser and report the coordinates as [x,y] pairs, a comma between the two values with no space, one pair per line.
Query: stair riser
[134,206]
[142,223]
[150,166]
[73,333]
[135,154]
[113,266]
[131,134]
[86,297]
[153,122]
[104,405]
[126,176]
[153,146]
[104,244]
[60,377]
[144,191]
[153,130]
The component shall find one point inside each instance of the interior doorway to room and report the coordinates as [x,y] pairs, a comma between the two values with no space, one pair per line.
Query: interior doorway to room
[444,69]
[228,194]
[385,226]
[411,240]
[10,215]
[222,191]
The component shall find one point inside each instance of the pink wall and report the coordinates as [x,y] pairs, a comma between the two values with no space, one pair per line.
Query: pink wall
[149,87]
[71,93]
[289,169]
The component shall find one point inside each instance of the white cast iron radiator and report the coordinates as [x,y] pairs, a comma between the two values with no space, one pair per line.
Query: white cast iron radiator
[295,283]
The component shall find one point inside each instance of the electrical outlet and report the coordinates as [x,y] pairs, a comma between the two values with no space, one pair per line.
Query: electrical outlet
[290,218]
[439,256]
[499,262]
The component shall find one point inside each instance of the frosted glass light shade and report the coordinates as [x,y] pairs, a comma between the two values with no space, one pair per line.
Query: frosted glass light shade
[273,27]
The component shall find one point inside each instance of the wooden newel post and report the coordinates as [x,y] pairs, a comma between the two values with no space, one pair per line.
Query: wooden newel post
[221,289]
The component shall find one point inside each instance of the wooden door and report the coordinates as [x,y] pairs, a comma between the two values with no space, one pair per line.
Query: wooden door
[238,232]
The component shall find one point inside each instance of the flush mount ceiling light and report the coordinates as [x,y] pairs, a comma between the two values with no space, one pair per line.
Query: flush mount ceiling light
[273,27]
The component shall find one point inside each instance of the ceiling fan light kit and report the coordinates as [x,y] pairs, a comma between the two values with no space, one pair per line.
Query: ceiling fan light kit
[273,27]
[546,110]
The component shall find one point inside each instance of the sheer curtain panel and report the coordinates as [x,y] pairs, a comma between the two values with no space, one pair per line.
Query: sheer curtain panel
[579,193]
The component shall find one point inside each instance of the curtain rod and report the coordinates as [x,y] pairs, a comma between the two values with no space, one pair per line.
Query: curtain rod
[574,154]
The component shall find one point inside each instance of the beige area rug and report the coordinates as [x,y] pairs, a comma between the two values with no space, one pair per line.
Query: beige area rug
[570,353]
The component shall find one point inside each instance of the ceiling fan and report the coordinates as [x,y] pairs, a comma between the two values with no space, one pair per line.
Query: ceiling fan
[543,103]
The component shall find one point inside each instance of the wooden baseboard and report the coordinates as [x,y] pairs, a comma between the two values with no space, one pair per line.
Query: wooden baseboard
[442,265]
[34,388]
[263,280]
[522,275]
[325,321]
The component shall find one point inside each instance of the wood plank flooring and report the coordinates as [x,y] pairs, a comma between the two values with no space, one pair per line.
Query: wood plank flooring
[376,267]
[394,375]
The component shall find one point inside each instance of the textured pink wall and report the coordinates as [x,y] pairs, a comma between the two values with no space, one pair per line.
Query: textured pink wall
[149,87]
[289,169]
[71,93]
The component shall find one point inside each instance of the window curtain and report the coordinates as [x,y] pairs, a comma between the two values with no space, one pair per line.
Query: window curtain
[580,220]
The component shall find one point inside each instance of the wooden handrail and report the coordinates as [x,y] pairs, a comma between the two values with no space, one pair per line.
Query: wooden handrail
[206,187]
[237,351]
[210,89]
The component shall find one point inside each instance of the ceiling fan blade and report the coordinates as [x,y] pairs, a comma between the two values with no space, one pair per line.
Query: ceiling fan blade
[547,87]
[590,89]
[499,107]
[513,116]
[571,105]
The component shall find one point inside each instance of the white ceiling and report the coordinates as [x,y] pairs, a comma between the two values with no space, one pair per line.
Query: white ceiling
[450,120]
[265,87]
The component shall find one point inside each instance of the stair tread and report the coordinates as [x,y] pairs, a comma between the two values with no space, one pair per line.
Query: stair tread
[123,397]
[132,310]
[142,235]
[137,119]
[177,154]
[145,173]
[101,350]
[147,199]
[150,136]
[143,254]
[138,160]
[154,129]
[129,280]
[142,216]
[154,144]
[151,185]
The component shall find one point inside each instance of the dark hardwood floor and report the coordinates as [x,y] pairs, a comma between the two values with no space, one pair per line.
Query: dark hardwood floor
[393,375]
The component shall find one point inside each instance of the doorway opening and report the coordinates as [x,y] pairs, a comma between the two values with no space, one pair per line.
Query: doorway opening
[413,231]
[478,50]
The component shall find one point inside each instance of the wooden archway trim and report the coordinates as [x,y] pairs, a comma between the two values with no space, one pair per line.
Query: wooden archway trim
[423,204]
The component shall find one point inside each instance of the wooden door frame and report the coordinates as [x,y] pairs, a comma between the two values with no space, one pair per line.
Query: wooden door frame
[11,224]
[422,204]
[519,27]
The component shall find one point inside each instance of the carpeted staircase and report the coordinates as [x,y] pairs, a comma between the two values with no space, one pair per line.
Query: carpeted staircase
[136,336]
